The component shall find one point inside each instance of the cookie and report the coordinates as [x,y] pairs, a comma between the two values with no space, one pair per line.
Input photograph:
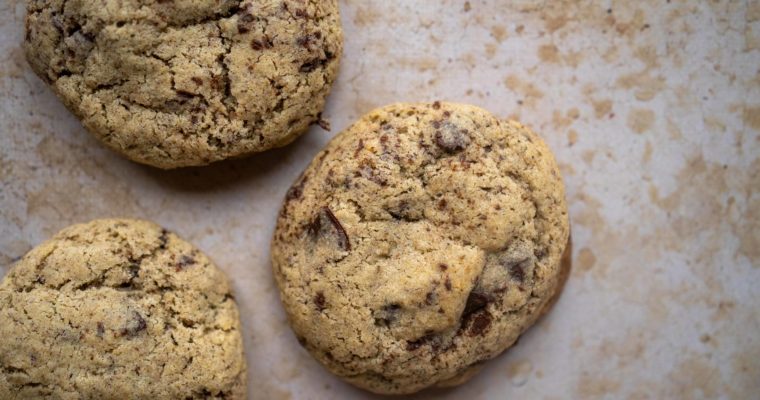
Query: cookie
[421,242]
[119,309]
[186,83]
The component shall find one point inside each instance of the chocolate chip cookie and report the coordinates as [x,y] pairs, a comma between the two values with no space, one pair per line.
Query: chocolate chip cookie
[421,242]
[185,83]
[119,309]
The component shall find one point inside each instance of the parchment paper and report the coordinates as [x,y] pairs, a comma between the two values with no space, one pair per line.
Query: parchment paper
[651,107]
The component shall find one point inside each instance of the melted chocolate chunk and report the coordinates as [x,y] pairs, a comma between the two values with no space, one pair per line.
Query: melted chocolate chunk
[368,170]
[442,204]
[450,138]
[261,44]
[134,325]
[480,323]
[316,227]
[343,241]
[313,64]
[163,239]
[359,147]
[319,301]
[184,262]
[296,190]
[402,210]
[429,339]
[517,270]
[475,302]
[244,23]
[134,270]
[308,41]
[387,315]
[429,297]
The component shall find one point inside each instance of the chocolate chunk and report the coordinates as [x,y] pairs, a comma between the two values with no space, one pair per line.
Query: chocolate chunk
[198,81]
[448,284]
[517,270]
[437,105]
[134,325]
[480,323]
[100,329]
[429,297]
[261,44]
[313,64]
[429,338]
[475,302]
[540,253]
[342,236]
[443,267]
[163,239]
[402,210]
[451,139]
[308,41]
[317,227]
[416,344]
[244,22]
[387,315]
[359,148]
[134,270]
[319,301]
[79,44]
[367,170]
[296,190]
[184,262]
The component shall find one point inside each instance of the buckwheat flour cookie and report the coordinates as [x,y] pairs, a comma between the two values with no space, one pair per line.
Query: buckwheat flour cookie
[118,309]
[420,242]
[188,82]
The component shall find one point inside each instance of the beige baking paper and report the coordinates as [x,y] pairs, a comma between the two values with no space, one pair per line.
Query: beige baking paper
[651,107]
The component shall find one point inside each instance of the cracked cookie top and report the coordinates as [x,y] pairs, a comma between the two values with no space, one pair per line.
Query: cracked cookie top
[119,309]
[188,82]
[420,242]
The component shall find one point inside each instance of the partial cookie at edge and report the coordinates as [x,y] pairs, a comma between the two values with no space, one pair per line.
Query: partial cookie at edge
[174,84]
[119,309]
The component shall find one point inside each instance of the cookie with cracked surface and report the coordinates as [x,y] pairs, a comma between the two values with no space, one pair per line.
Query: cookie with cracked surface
[119,309]
[188,82]
[420,242]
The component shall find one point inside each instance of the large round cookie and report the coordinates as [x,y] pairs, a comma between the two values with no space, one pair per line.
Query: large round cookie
[420,242]
[188,82]
[119,309]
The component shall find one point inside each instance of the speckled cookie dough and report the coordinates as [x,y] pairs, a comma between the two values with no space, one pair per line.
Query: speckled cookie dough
[420,242]
[119,309]
[188,82]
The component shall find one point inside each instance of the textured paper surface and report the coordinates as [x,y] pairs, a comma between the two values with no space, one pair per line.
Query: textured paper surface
[651,107]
